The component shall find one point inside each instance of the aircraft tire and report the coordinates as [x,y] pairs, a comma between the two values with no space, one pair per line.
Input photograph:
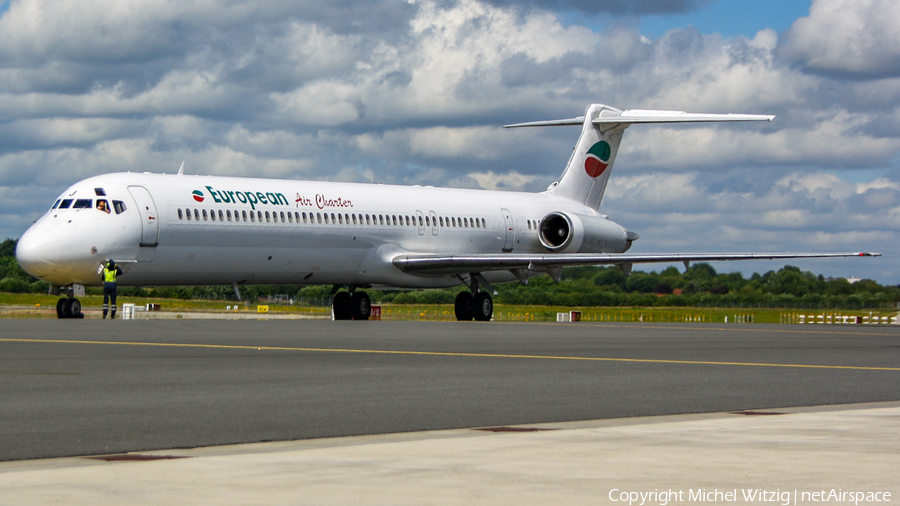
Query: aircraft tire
[483,307]
[340,306]
[360,306]
[73,309]
[61,308]
[463,307]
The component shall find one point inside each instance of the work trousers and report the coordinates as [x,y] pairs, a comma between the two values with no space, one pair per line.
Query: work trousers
[109,292]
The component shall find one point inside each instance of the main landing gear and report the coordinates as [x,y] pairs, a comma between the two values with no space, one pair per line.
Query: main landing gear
[351,305]
[479,306]
[475,304]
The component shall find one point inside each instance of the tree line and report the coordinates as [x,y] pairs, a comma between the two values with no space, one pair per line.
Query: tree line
[698,286]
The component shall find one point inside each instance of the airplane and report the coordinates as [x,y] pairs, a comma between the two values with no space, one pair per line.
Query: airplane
[179,229]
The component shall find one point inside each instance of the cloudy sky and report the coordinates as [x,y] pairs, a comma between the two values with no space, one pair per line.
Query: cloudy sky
[414,92]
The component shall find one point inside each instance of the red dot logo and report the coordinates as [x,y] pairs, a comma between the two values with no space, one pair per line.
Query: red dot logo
[198,195]
[597,159]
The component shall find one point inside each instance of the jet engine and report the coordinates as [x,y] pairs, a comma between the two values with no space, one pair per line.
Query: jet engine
[574,233]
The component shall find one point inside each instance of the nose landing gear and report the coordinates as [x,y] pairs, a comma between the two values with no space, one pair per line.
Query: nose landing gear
[69,307]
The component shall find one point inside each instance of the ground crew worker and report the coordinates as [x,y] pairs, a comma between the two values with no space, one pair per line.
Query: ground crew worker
[109,287]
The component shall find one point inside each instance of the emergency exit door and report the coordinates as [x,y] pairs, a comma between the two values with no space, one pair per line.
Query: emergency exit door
[149,218]
[510,231]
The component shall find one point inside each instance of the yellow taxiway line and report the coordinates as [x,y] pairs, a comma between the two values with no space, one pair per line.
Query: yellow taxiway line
[448,354]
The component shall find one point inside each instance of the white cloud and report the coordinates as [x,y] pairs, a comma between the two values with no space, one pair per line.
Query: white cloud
[505,181]
[855,37]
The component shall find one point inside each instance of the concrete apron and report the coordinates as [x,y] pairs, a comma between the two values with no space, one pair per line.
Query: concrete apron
[721,456]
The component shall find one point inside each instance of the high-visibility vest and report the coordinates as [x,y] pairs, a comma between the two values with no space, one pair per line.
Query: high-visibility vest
[109,276]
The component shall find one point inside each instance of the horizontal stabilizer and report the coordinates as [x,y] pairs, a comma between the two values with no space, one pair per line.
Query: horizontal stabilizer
[612,116]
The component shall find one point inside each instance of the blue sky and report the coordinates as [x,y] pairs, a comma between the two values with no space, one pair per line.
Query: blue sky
[729,18]
[415,93]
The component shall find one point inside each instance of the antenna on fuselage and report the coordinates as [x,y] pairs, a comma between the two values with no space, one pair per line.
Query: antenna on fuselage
[181,169]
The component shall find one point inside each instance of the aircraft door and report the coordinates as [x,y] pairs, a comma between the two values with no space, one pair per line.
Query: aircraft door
[510,231]
[434,223]
[420,222]
[149,218]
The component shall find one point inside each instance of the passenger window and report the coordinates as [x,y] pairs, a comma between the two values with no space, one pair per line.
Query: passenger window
[188,212]
[212,215]
[83,204]
[484,224]
[180,215]
[252,216]
[319,217]
[221,216]
[228,214]
[205,216]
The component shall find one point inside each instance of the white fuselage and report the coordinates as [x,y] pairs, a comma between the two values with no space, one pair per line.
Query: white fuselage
[199,230]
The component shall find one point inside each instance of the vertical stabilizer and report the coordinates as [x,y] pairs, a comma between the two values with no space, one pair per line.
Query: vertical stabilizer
[590,165]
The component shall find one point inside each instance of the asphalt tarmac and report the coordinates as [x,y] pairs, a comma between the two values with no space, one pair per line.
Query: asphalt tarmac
[88,387]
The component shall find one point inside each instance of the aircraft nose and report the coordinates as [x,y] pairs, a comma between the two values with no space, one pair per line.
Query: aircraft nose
[38,251]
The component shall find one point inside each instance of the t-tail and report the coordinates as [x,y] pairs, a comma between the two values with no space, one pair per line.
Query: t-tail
[590,165]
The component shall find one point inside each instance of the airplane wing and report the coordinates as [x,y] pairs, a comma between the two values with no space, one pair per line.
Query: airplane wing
[439,265]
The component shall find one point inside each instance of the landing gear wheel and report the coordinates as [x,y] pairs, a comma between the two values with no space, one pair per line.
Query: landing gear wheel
[463,306]
[60,308]
[483,307]
[340,306]
[73,308]
[360,306]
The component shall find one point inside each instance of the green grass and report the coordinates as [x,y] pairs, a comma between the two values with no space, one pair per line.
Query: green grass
[44,306]
[623,314]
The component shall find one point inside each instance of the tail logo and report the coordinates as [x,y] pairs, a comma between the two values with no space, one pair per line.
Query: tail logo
[198,195]
[597,159]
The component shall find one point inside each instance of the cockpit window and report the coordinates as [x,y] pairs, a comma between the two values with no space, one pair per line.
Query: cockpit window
[65,204]
[56,204]
[119,206]
[83,204]
[100,192]
[103,206]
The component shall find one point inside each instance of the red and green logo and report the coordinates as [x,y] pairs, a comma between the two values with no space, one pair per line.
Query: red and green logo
[198,195]
[597,159]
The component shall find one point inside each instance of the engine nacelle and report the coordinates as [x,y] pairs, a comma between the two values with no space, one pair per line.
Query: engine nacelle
[575,233]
